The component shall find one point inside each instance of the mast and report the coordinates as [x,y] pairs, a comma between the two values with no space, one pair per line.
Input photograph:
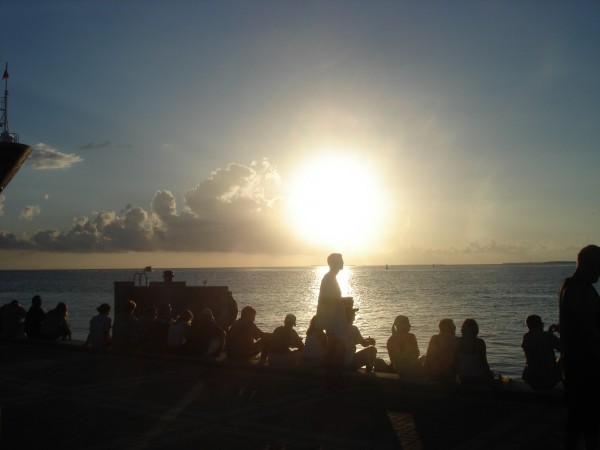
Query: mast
[4,133]
[12,154]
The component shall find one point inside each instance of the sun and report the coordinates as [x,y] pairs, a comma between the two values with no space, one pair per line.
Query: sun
[336,200]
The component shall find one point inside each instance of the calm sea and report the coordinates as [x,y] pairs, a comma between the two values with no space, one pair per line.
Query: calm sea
[499,297]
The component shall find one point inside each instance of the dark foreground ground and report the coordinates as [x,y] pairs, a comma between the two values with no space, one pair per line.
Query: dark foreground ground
[68,398]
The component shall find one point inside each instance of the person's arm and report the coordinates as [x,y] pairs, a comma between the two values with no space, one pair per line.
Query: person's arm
[296,340]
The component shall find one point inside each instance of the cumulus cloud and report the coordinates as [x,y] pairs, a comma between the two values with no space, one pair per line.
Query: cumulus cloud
[237,209]
[29,212]
[45,157]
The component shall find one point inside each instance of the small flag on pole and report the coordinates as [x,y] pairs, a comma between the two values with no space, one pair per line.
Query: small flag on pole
[5,75]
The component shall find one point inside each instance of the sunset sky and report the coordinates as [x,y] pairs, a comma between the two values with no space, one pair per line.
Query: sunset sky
[272,133]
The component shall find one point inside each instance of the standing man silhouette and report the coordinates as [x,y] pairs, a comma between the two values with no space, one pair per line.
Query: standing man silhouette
[331,316]
[579,309]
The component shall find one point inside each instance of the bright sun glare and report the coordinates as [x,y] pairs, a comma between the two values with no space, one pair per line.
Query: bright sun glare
[337,201]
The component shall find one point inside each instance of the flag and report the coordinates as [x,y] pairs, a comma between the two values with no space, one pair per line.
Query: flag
[5,76]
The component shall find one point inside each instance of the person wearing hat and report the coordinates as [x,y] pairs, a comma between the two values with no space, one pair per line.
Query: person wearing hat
[206,337]
[403,349]
[100,327]
[354,360]
[286,346]
[579,327]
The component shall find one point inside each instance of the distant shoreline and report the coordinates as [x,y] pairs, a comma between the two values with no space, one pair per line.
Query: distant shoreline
[538,263]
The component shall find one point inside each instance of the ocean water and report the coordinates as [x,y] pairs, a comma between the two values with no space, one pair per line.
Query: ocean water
[499,297]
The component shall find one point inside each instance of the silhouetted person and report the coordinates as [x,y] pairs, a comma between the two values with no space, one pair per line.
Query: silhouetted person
[158,330]
[55,323]
[124,326]
[34,318]
[100,328]
[206,337]
[579,309]
[331,316]
[245,340]
[542,370]
[441,360]
[473,367]
[141,327]
[179,331]
[286,347]
[365,357]
[403,349]
[13,320]
[315,347]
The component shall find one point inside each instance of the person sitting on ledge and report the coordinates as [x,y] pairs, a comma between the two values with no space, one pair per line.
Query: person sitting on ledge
[403,349]
[179,331]
[13,320]
[143,322]
[124,326]
[158,330]
[100,326]
[55,324]
[286,347]
[542,371]
[34,318]
[206,337]
[441,359]
[315,349]
[473,367]
[245,340]
[354,360]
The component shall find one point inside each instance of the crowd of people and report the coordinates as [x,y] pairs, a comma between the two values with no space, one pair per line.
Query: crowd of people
[332,340]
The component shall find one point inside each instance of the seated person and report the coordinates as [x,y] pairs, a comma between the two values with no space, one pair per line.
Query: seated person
[34,318]
[286,347]
[473,367]
[179,331]
[354,360]
[124,326]
[542,370]
[156,334]
[100,326]
[13,320]
[206,337]
[315,349]
[245,340]
[441,360]
[143,322]
[403,349]
[55,324]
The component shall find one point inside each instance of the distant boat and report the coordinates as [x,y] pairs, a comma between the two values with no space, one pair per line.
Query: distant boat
[12,154]
[148,269]
[387,267]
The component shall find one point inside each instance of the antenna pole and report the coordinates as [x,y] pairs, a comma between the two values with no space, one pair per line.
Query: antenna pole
[4,106]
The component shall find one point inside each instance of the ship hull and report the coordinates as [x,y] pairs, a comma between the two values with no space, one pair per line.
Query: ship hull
[12,157]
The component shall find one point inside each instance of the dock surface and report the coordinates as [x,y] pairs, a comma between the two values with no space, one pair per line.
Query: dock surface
[61,396]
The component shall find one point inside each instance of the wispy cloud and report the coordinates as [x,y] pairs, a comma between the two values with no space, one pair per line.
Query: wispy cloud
[92,145]
[45,157]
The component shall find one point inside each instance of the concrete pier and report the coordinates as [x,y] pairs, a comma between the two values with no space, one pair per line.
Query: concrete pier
[66,397]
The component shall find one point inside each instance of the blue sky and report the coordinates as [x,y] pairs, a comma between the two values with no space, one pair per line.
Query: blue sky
[259,133]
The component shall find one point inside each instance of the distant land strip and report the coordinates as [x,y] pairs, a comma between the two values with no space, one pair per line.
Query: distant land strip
[536,263]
